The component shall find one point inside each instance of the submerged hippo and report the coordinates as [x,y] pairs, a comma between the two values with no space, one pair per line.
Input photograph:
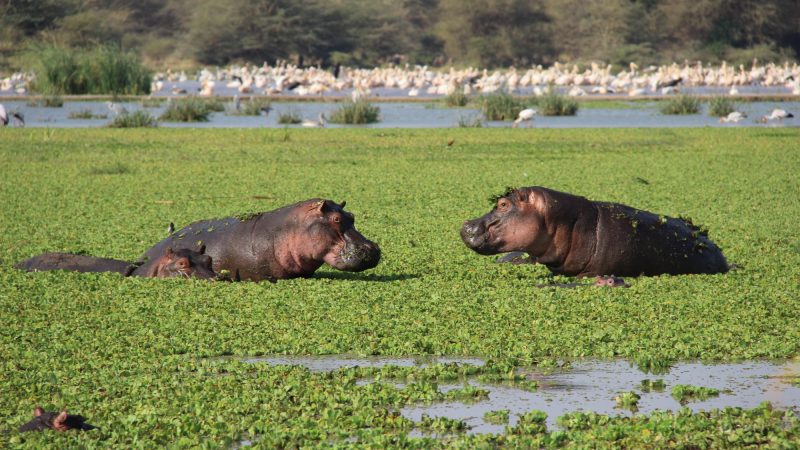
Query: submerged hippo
[58,421]
[178,263]
[578,237]
[289,242]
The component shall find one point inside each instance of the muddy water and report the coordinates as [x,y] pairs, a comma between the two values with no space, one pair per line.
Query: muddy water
[588,386]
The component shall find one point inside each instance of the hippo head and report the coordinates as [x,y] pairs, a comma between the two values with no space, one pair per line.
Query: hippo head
[331,236]
[58,421]
[516,223]
[183,263]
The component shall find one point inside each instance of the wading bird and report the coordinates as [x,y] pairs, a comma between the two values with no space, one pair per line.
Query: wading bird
[19,119]
[314,124]
[524,116]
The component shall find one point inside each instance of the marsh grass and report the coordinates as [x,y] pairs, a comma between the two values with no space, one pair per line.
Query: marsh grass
[720,106]
[136,119]
[50,101]
[456,99]
[681,104]
[500,106]
[685,393]
[252,107]
[471,121]
[553,104]
[290,117]
[189,110]
[356,113]
[96,70]
[85,113]
[151,102]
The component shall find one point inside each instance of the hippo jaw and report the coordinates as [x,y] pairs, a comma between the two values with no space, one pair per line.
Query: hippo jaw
[355,253]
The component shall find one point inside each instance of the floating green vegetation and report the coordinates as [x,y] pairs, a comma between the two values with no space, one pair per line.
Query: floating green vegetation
[441,424]
[500,106]
[685,393]
[456,99]
[358,112]
[467,393]
[85,113]
[627,400]
[290,117]
[471,121]
[648,385]
[189,110]
[720,106]
[254,106]
[129,354]
[553,104]
[497,417]
[136,119]
[681,104]
[530,423]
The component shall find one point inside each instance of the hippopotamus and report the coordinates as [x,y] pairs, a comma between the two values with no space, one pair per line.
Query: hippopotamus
[58,421]
[171,263]
[574,236]
[289,242]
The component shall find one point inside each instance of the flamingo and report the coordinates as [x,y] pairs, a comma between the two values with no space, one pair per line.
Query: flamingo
[524,116]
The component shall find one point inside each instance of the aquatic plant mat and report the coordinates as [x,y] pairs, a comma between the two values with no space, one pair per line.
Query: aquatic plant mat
[139,357]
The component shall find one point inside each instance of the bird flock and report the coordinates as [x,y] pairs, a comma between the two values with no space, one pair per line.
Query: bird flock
[598,79]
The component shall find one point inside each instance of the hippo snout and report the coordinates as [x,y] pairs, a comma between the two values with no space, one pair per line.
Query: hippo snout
[475,235]
[361,256]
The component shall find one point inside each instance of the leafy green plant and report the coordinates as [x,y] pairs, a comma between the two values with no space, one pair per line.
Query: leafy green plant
[496,417]
[628,400]
[648,385]
[500,106]
[553,104]
[720,106]
[358,112]
[681,104]
[685,393]
[441,424]
[85,113]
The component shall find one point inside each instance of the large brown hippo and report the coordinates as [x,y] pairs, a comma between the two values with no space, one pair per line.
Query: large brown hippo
[288,242]
[578,237]
[179,263]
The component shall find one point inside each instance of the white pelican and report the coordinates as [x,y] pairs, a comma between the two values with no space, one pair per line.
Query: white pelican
[733,117]
[779,114]
[524,115]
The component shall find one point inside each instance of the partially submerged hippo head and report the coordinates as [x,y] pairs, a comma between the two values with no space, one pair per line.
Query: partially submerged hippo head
[55,420]
[331,236]
[182,262]
[513,225]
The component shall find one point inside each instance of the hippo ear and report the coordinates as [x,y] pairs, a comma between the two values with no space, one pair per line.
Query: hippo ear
[169,253]
[38,411]
[341,205]
[318,205]
[202,249]
[61,417]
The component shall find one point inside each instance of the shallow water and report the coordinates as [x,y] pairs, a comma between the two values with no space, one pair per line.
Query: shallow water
[588,386]
[412,115]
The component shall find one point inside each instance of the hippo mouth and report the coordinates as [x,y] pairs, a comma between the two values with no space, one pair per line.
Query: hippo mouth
[356,255]
[483,239]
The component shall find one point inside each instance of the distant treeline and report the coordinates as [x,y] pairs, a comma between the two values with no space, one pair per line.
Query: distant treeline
[485,33]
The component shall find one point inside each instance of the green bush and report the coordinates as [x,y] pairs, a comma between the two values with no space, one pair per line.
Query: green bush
[290,117]
[85,113]
[456,99]
[721,106]
[682,104]
[188,110]
[138,119]
[357,112]
[500,106]
[553,104]
[99,70]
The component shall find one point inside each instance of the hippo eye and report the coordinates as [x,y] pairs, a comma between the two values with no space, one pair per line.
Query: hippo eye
[182,264]
[337,219]
[502,204]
